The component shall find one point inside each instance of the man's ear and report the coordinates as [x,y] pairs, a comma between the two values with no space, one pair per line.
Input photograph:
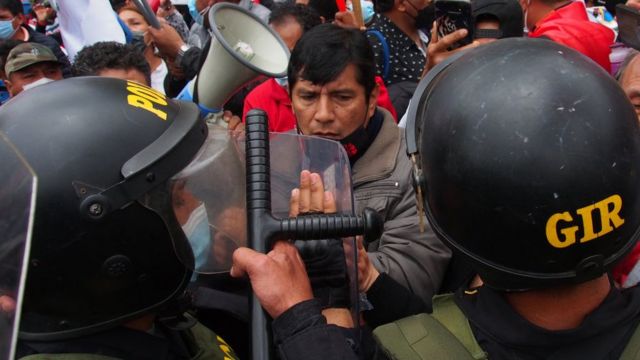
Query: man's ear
[373,101]
[523,4]
[9,86]
[401,6]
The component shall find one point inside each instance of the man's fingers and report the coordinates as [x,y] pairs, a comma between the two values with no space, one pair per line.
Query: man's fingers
[243,258]
[284,247]
[317,193]
[310,197]
[283,250]
[329,202]
[234,122]
[305,192]
[294,202]
[448,40]
[434,33]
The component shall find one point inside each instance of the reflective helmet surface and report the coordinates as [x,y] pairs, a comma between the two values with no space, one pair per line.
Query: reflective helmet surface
[530,155]
[98,146]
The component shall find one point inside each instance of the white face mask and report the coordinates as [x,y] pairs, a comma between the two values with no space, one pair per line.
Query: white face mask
[37,83]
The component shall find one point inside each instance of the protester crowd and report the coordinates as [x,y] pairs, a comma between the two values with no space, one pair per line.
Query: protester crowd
[504,171]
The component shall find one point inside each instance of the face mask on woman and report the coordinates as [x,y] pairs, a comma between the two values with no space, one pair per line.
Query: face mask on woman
[197,16]
[6,29]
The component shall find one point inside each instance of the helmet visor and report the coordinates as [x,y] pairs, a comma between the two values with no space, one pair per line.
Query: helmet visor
[208,197]
[17,206]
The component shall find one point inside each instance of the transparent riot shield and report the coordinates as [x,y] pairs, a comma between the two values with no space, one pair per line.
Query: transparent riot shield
[17,205]
[209,199]
[236,192]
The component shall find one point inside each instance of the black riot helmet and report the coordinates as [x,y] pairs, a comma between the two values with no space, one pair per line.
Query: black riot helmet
[528,157]
[99,146]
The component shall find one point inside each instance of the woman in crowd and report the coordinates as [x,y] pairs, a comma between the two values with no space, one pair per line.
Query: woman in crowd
[132,17]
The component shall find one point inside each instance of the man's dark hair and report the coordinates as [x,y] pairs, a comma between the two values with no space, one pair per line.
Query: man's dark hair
[110,55]
[323,53]
[382,6]
[625,64]
[117,4]
[304,15]
[14,6]
[326,8]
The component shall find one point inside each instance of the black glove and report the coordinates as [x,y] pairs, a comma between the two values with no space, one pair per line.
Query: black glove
[327,270]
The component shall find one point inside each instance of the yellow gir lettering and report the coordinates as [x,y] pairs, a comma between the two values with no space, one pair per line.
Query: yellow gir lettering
[612,216]
[569,233]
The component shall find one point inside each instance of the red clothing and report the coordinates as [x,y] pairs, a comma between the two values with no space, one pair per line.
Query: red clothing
[384,101]
[275,101]
[624,267]
[570,26]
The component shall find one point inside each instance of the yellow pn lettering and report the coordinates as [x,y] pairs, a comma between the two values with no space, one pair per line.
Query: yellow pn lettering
[226,349]
[146,98]
[609,210]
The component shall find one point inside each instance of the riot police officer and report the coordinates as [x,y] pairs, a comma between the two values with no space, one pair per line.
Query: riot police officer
[528,158]
[109,259]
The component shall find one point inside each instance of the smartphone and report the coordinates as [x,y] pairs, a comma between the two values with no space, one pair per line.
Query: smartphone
[452,15]
[628,26]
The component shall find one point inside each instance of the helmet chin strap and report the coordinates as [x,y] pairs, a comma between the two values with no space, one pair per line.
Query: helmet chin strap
[412,131]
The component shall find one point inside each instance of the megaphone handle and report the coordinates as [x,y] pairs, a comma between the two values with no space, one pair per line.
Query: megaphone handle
[322,226]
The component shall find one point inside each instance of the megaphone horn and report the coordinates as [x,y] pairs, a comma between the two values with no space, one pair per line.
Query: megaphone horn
[242,48]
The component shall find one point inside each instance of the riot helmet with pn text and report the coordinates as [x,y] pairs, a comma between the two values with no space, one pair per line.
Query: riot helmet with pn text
[100,254]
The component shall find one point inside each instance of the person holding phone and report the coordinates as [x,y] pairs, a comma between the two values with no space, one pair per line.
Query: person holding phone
[397,35]
[491,19]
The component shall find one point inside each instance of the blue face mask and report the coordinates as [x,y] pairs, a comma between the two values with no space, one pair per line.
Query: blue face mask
[198,17]
[197,231]
[367,10]
[6,29]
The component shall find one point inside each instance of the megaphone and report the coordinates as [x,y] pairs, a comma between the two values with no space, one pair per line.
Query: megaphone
[242,47]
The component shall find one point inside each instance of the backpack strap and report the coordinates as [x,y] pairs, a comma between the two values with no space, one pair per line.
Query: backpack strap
[419,337]
[385,51]
[447,312]
[446,334]
[632,350]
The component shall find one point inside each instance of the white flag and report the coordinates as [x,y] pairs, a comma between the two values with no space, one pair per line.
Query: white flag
[85,22]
